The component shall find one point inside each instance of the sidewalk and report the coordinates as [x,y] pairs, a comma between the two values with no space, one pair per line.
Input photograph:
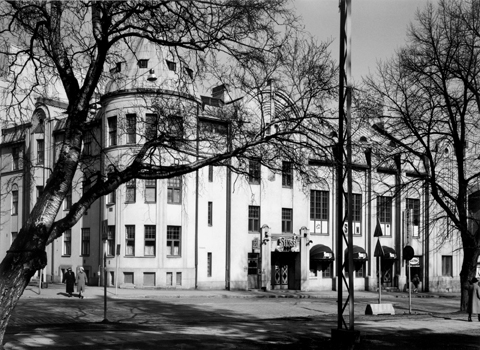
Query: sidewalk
[48,325]
[55,290]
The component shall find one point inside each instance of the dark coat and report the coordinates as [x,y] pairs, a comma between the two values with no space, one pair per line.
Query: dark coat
[69,280]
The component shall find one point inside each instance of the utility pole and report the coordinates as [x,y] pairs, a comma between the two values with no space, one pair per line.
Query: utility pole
[344,333]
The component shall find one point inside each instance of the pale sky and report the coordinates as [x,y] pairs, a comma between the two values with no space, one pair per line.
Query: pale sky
[378,27]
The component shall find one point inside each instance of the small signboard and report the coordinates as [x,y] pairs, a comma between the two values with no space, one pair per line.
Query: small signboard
[255,243]
[378,250]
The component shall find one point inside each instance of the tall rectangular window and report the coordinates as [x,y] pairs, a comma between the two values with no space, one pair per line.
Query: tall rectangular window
[111,240]
[384,214]
[67,203]
[17,163]
[287,174]
[112,131]
[150,191]
[254,172]
[179,279]
[15,202]
[40,152]
[131,188]
[131,129]
[319,211]
[209,264]
[87,143]
[151,126]
[173,240]
[413,204]
[357,213]
[210,173]
[85,241]
[253,218]
[111,197]
[210,214]
[174,126]
[327,273]
[150,240]
[287,217]
[447,265]
[174,190]
[67,243]
[130,240]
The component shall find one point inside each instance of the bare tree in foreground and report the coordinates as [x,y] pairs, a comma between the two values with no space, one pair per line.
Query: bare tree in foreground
[71,43]
[431,88]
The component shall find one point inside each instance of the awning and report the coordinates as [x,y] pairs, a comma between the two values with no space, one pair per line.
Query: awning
[359,254]
[320,252]
[389,253]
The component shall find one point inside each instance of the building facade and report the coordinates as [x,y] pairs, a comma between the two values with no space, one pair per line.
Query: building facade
[213,228]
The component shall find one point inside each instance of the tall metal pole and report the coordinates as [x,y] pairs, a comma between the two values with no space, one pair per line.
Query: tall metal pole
[344,117]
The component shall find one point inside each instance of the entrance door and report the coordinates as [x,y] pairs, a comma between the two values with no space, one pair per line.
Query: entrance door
[253,270]
[283,270]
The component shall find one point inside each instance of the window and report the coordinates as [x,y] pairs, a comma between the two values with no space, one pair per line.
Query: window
[40,152]
[254,175]
[112,131]
[111,240]
[319,211]
[210,173]
[287,215]
[357,213]
[127,277]
[174,126]
[150,191]
[210,214]
[189,72]
[131,129]
[143,63]
[174,190]
[209,264]
[130,240]
[67,243]
[87,144]
[447,269]
[360,272]
[85,241]
[179,279]
[253,218]
[149,279]
[171,65]
[67,203]
[287,176]
[384,214]
[327,273]
[173,240]
[130,189]
[151,126]
[413,205]
[111,197]
[150,239]
[169,281]
[17,163]
[15,201]
[39,192]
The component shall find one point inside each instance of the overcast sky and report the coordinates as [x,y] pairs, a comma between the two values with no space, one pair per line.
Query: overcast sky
[378,27]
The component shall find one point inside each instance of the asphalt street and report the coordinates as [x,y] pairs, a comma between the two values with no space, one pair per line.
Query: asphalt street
[176,319]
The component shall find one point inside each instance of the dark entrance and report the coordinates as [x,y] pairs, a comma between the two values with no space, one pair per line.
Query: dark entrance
[284,270]
[253,270]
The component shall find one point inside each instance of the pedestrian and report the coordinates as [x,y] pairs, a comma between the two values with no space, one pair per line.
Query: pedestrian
[81,282]
[416,282]
[69,280]
[474,303]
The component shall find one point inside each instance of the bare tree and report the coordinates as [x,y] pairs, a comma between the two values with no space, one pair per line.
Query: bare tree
[430,92]
[68,45]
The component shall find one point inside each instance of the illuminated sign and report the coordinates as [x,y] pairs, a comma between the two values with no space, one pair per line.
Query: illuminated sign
[286,244]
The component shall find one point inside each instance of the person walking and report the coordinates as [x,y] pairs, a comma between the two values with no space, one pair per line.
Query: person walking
[474,304]
[81,282]
[69,280]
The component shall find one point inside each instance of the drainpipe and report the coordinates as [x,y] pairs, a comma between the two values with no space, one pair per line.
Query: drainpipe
[398,212]
[427,239]
[228,212]
[196,207]
[368,157]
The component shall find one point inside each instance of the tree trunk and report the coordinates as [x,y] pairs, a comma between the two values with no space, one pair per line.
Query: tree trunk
[25,257]
[469,270]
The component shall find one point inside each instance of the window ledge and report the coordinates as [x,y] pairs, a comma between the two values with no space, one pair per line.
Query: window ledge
[174,256]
